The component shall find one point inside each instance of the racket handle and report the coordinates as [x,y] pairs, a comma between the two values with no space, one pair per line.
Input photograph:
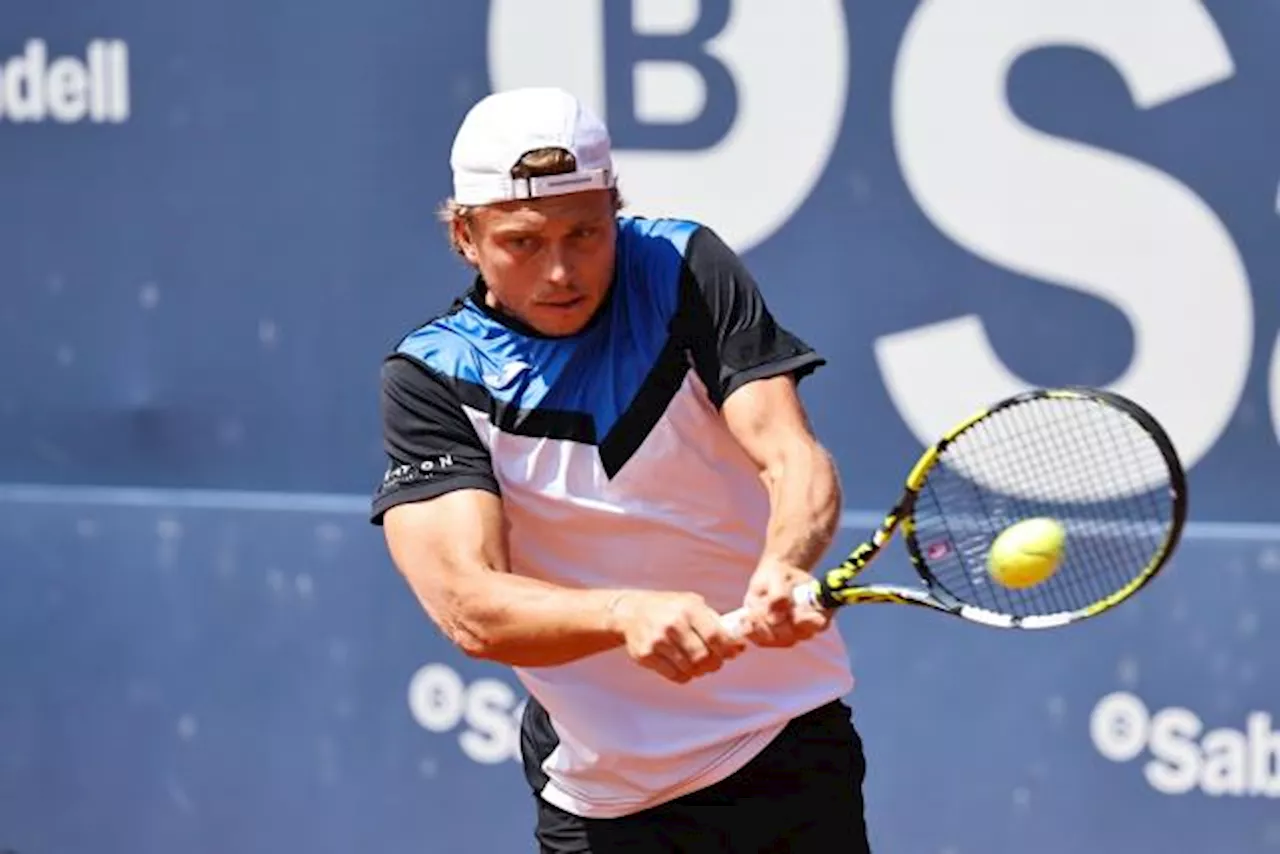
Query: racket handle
[804,596]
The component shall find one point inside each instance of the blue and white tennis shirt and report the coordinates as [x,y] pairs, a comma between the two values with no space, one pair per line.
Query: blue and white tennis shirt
[616,469]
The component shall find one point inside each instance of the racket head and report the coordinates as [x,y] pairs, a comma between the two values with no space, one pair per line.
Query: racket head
[1092,459]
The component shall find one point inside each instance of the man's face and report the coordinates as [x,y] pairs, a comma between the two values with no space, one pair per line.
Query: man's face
[548,261]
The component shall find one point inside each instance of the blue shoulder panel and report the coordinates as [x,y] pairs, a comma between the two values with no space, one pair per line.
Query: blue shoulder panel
[597,372]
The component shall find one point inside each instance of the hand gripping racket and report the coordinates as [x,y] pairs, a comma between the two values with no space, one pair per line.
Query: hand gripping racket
[1095,461]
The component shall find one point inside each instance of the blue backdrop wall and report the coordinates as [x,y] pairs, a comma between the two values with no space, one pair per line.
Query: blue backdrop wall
[217,217]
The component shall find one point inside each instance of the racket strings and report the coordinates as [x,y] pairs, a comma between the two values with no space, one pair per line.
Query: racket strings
[1089,585]
[1088,465]
[1103,539]
[1107,550]
[1099,491]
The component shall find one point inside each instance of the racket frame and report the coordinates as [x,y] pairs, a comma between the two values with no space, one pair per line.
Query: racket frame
[835,588]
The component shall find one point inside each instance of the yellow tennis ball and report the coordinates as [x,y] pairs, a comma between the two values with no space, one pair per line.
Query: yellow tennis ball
[1027,553]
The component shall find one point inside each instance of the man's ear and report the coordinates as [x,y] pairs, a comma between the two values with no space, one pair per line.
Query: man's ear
[464,238]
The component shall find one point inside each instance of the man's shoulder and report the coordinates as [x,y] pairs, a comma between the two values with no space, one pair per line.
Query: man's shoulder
[441,343]
[658,255]
[653,233]
[688,243]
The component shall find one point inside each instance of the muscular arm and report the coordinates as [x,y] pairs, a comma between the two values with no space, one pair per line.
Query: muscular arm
[452,553]
[751,366]
[768,420]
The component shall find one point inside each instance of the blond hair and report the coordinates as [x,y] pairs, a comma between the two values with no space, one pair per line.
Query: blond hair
[538,163]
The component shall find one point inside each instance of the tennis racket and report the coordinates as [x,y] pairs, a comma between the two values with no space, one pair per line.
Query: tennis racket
[1095,461]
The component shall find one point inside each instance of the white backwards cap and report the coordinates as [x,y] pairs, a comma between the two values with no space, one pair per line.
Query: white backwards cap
[504,126]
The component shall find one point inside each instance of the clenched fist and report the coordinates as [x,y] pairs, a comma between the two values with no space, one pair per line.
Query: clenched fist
[772,618]
[677,635]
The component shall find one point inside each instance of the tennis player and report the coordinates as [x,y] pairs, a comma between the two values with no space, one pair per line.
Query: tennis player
[596,451]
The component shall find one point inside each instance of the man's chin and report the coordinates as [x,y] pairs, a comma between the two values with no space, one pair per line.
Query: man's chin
[566,319]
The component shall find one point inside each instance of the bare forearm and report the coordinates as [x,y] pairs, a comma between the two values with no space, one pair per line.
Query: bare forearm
[452,553]
[804,498]
[525,622]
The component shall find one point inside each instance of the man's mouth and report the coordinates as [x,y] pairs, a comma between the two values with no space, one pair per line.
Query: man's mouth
[561,303]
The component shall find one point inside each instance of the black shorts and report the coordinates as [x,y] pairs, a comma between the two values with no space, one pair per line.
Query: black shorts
[801,794]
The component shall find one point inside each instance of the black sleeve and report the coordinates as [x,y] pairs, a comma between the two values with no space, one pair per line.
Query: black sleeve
[430,444]
[735,338]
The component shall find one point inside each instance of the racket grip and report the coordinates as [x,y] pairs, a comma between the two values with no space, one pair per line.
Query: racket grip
[804,596]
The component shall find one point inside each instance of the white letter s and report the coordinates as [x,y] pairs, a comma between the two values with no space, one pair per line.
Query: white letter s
[1060,211]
